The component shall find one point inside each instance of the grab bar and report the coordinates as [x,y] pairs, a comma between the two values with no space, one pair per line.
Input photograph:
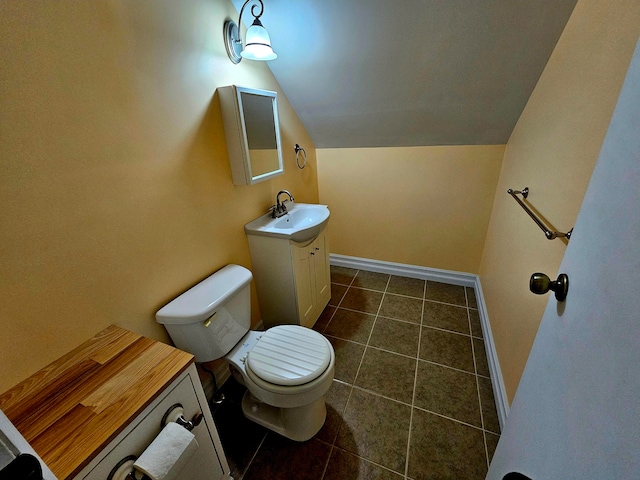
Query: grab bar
[550,234]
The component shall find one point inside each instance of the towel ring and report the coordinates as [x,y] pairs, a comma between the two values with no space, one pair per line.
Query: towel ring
[298,148]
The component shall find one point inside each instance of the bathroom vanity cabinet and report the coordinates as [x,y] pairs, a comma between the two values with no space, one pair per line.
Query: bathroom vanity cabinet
[293,280]
[206,463]
[104,402]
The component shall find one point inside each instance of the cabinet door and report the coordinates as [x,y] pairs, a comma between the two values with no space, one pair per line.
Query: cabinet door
[305,283]
[322,273]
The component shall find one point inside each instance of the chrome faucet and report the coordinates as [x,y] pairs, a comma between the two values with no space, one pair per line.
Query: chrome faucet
[280,209]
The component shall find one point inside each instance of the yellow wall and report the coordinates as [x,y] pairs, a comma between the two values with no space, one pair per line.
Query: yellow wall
[115,185]
[426,206]
[552,150]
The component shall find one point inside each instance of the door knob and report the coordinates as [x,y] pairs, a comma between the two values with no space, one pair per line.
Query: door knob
[541,284]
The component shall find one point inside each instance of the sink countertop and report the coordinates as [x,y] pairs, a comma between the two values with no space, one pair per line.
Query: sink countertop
[71,409]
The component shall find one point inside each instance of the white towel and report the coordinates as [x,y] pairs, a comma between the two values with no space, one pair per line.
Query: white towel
[168,453]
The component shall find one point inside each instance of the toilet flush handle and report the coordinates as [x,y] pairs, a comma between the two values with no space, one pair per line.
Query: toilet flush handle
[208,321]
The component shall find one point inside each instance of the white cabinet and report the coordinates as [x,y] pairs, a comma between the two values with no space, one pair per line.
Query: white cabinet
[292,279]
[252,130]
[207,463]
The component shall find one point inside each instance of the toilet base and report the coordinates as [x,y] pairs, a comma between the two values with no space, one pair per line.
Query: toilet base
[298,423]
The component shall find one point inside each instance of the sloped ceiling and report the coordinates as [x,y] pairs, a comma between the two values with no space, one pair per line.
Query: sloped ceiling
[410,72]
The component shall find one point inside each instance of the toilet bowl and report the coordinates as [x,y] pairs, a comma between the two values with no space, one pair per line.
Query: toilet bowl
[287,370]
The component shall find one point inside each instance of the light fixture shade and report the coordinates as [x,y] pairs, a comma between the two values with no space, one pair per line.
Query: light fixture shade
[258,44]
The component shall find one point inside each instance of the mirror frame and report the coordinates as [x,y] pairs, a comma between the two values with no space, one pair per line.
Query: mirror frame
[233,117]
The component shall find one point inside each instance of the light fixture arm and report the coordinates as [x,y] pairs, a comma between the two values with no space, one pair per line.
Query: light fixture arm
[254,6]
[259,45]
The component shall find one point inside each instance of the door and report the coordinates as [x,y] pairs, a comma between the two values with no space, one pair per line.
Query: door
[576,414]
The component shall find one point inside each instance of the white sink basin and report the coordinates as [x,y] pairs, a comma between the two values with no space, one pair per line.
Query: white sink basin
[303,222]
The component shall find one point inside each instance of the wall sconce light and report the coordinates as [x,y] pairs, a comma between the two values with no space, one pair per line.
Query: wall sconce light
[258,43]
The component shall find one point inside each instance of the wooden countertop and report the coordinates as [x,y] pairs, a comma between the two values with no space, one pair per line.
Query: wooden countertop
[70,410]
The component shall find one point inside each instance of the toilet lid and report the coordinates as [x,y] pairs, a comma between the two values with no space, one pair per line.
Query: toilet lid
[289,355]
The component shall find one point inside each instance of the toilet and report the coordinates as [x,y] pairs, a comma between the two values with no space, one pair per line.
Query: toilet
[287,369]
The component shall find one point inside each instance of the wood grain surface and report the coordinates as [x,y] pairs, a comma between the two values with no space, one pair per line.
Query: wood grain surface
[71,409]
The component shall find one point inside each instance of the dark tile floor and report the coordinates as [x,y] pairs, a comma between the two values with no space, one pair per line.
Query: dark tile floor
[412,397]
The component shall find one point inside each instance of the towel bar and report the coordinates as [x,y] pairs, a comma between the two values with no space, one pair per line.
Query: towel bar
[550,234]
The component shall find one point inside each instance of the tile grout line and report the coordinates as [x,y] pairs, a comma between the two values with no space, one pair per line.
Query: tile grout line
[366,346]
[253,457]
[361,360]
[368,461]
[326,465]
[415,383]
[373,326]
[475,369]
[341,298]
[433,412]
[371,289]
[381,316]
[448,331]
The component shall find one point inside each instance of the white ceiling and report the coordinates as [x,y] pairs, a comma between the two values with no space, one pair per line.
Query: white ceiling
[370,73]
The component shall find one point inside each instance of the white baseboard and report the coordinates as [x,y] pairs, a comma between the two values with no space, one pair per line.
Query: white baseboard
[404,270]
[445,276]
[497,382]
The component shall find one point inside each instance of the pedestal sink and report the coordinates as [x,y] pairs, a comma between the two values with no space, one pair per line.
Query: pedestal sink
[303,222]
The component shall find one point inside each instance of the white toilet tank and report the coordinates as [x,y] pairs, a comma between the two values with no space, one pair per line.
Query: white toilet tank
[211,317]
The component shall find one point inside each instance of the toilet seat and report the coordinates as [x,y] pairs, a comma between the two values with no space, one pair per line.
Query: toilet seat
[289,355]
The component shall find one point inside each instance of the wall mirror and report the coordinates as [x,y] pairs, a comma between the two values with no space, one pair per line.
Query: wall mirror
[252,130]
